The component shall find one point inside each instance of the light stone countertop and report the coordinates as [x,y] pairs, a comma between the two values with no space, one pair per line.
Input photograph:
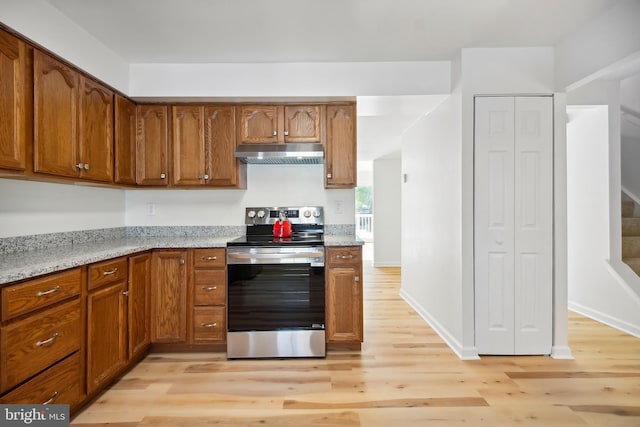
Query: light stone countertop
[25,265]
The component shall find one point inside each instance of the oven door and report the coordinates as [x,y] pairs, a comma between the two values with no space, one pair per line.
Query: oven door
[276,303]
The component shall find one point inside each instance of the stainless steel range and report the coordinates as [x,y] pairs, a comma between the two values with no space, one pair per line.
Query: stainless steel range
[276,301]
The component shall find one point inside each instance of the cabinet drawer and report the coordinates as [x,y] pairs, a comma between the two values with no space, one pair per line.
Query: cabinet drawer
[59,384]
[103,273]
[210,287]
[31,345]
[209,324]
[38,293]
[343,255]
[209,258]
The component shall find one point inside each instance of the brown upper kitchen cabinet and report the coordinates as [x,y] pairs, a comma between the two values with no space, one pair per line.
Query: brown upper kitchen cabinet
[14,109]
[279,124]
[340,148]
[152,145]
[73,125]
[204,145]
[125,141]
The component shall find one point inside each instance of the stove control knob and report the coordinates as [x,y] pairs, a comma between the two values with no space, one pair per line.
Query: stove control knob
[260,214]
[307,214]
[251,214]
[316,213]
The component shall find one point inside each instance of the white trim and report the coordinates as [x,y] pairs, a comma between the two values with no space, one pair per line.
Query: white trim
[608,320]
[561,352]
[387,264]
[468,353]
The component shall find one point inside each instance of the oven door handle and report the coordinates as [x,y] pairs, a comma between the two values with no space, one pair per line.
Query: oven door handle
[313,258]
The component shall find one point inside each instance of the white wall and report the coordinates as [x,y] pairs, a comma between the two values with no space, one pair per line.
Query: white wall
[39,21]
[387,202]
[594,289]
[609,40]
[34,208]
[431,217]
[267,185]
[290,79]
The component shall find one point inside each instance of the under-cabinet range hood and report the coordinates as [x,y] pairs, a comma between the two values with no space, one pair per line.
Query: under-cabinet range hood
[280,154]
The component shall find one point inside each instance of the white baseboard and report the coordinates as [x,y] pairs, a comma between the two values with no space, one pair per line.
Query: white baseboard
[614,322]
[386,264]
[464,353]
[561,352]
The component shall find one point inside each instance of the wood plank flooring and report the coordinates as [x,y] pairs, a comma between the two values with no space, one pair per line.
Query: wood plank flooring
[404,376]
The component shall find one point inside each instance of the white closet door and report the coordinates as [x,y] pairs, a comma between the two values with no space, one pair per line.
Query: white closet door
[533,224]
[513,245]
[494,227]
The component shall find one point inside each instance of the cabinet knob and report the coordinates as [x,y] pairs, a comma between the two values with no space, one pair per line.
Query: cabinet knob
[181,261]
[80,165]
[125,293]
[50,291]
[86,166]
[357,278]
[329,175]
[163,176]
[205,176]
[286,133]
[275,133]
[51,399]
[208,325]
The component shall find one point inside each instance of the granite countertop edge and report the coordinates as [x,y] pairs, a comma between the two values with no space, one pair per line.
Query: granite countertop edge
[26,265]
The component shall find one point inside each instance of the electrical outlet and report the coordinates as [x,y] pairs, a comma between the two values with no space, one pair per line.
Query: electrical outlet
[339,207]
[151,209]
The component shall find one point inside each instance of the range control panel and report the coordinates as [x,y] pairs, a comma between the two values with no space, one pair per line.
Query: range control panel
[296,215]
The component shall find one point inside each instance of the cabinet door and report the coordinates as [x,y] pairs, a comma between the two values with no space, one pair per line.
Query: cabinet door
[169,297]
[125,141]
[188,145]
[106,334]
[344,304]
[55,116]
[258,124]
[340,150]
[222,167]
[152,145]
[139,304]
[302,123]
[96,131]
[13,102]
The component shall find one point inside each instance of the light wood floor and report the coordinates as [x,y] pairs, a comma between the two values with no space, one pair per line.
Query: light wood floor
[405,376]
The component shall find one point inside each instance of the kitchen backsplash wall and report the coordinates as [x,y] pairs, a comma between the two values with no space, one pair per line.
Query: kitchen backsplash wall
[267,185]
[28,208]
[34,208]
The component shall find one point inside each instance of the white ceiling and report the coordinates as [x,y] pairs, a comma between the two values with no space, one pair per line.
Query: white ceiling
[197,31]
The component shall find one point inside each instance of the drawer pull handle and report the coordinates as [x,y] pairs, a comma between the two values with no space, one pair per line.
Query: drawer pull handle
[209,288]
[109,273]
[209,258]
[50,291]
[48,340]
[208,325]
[51,399]
[345,256]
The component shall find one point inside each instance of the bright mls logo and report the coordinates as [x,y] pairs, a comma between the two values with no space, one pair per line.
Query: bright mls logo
[34,415]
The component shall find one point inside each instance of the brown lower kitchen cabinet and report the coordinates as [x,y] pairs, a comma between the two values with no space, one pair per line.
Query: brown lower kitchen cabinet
[139,304]
[209,296]
[41,340]
[344,324]
[169,278]
[106,322]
